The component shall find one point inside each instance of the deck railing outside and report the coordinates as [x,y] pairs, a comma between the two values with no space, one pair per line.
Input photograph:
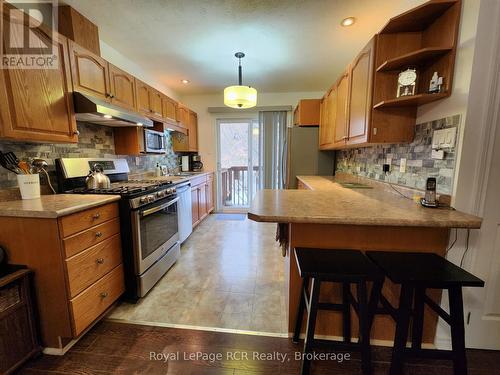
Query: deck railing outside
[236,185]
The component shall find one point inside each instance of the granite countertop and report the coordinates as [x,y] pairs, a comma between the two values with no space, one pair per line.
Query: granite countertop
[329,203]
[54,206]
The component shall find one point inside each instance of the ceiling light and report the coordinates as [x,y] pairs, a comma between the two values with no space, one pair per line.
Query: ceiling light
[185,81]
[240,96]
[140,124]
[107,116]
[349,21]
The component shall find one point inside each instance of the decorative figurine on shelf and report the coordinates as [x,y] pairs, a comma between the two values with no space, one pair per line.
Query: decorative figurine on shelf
[407,83]
[436,84]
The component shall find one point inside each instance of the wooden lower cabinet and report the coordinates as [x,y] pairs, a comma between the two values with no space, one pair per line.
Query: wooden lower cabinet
[202,197]
[194,205]
[210,189]
[80,274]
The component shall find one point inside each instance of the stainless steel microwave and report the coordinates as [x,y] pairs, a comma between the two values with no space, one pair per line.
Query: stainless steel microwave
[154,142]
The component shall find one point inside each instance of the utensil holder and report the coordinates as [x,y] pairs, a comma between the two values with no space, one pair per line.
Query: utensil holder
[29,185]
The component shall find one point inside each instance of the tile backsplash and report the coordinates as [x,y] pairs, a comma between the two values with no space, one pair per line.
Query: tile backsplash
[368,161]
[94,141]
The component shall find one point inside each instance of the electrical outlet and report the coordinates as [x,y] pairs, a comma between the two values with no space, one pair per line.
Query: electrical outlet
[402,165]
[437,154]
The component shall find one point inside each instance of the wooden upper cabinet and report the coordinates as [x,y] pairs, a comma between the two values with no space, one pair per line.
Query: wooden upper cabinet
[307,112]
[37,104]
[155,103]
[149,100]
[341,106]
[330,118]
[170,109]
[323,124]
[76,27]
[89,72]
[142,94]
[360,95]
[193,131]
[183,116]
[122,88]
[327,120]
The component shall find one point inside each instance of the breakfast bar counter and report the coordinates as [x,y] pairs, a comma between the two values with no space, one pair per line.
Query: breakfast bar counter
[351,213]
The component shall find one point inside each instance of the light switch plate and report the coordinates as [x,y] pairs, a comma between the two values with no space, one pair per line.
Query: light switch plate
[444,138]
[402,165]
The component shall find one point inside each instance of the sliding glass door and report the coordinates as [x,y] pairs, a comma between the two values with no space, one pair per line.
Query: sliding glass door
[239,163]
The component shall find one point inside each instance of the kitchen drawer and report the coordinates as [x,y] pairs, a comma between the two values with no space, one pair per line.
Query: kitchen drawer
[92,302]
[83,240]
[90,265]
[198,180]
[79,221]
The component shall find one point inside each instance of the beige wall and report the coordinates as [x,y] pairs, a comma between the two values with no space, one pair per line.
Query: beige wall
[207,121]
[123,62]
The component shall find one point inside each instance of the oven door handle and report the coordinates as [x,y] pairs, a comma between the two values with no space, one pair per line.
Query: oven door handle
[159,208]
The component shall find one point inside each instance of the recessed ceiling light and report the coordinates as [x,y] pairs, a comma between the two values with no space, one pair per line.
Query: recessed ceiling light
[349,21]
[185,81]
[107,116]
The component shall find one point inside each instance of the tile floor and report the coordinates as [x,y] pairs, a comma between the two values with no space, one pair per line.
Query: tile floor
[230,275]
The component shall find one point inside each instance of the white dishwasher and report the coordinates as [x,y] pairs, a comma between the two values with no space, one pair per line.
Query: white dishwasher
[185,214]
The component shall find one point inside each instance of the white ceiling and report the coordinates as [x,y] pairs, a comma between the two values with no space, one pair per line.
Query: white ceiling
[291,45]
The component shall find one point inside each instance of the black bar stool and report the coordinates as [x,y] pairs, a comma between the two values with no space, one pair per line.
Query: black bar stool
[416,272]
[345,267]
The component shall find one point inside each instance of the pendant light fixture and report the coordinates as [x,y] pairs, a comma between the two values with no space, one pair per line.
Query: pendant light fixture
[240,96]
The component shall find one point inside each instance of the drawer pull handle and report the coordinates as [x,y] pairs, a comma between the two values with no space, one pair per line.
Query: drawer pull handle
[99,260]
[104,294]
[96,216]
[98,234]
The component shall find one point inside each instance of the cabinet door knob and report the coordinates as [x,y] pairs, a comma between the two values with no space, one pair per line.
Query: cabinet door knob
[98,234]
[96,216]
[104,294]
[76,132]
[99,260]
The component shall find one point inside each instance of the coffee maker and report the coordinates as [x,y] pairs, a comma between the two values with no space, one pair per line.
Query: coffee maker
[196,164]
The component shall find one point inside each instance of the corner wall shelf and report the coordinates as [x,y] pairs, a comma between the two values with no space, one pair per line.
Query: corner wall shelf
[410,101]
[414,57]
[419,18]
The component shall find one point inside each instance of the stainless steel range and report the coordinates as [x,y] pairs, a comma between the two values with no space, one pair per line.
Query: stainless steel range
[148,218]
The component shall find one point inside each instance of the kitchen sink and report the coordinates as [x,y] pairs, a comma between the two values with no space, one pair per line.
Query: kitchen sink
[354,185]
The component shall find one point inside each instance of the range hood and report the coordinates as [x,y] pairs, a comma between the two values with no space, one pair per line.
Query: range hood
[96,111]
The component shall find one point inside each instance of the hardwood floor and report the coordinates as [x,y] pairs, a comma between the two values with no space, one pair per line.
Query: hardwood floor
[118,348]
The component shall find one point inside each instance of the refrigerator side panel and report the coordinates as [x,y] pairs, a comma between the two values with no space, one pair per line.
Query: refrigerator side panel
[304,157]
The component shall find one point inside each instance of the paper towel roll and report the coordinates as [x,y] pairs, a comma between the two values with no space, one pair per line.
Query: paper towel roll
[185,163]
